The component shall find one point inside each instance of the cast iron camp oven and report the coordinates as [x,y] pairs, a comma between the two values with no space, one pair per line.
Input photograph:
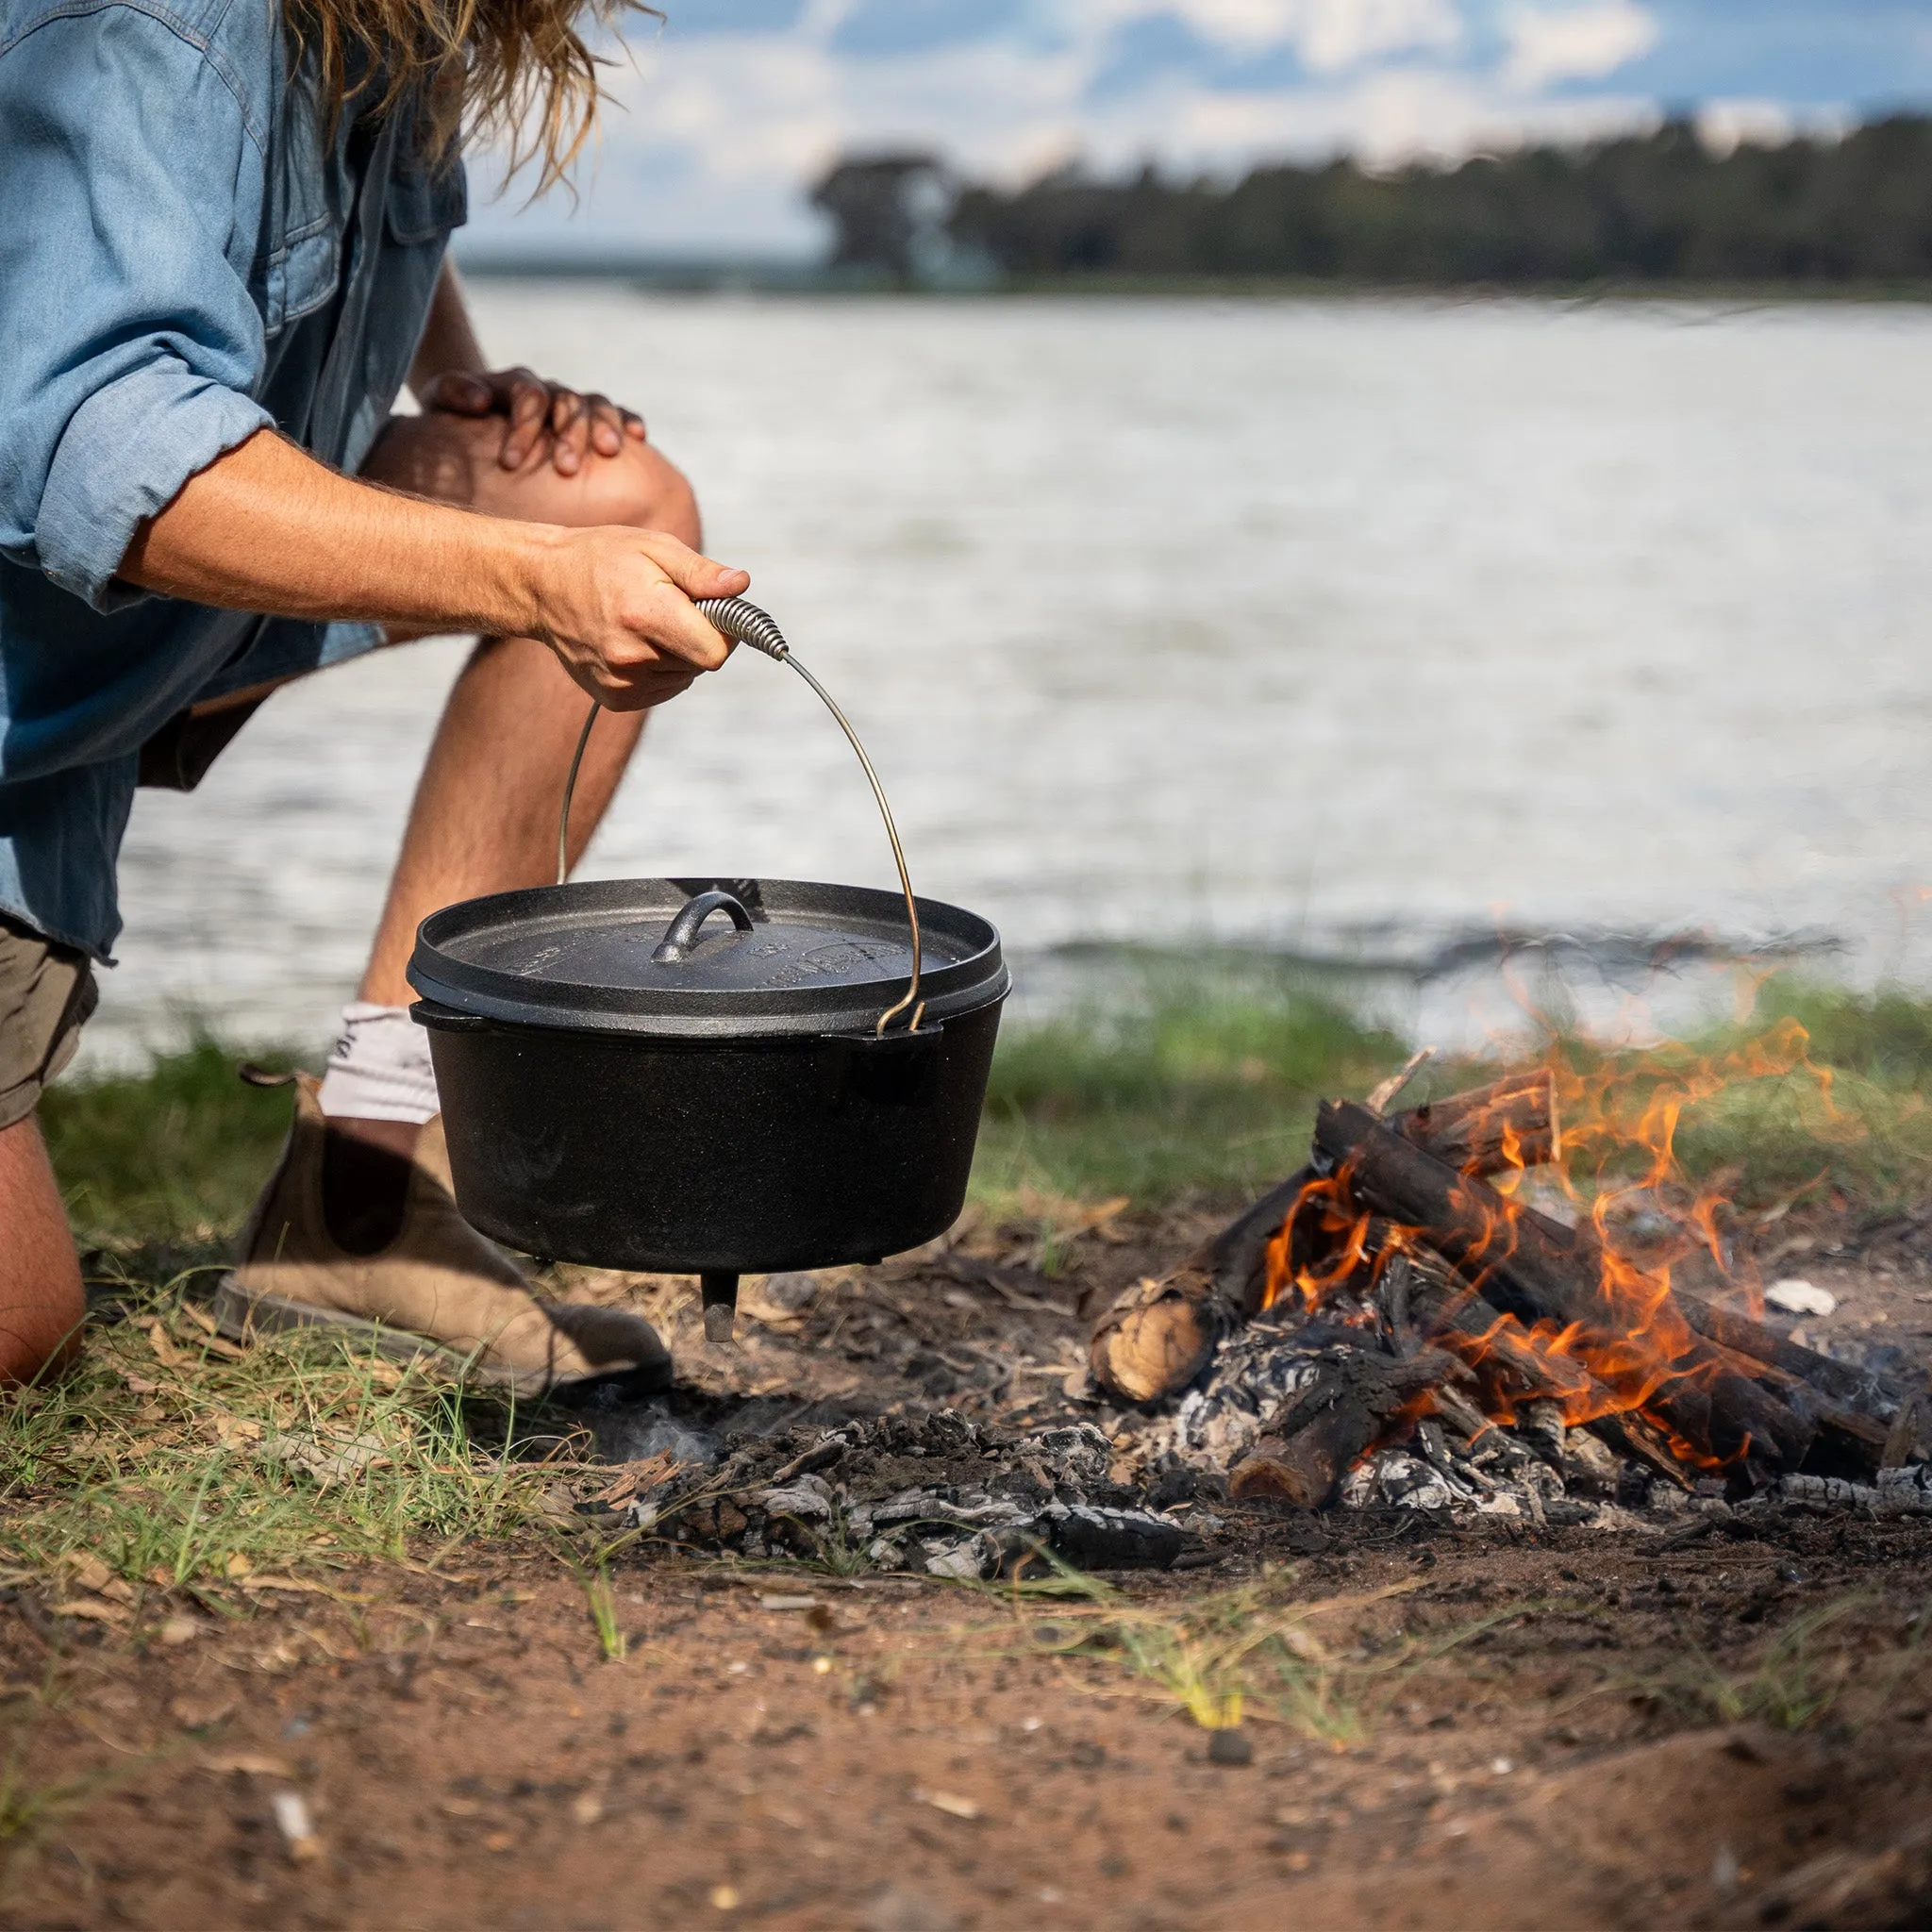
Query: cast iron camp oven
[709,1077]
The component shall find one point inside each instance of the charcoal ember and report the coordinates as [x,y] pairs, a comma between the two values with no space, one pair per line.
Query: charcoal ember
[1097,1538]
[1568,1512]
[1258,1372]
[1174,1484]
[1591,1468]
[1830,1493]
[1077,1453]
[968,1509]
[1913,1477]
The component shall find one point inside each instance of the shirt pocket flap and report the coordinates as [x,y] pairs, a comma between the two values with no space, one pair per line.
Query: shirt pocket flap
[305,267]
[424,208]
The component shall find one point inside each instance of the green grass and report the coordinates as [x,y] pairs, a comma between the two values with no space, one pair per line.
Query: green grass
[1186,1084]
[175,1460]
[174,1154]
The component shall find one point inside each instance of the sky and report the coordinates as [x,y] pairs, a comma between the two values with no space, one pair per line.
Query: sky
[721,116]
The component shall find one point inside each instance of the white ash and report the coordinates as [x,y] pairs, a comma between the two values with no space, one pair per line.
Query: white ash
[1255,1374]
[996,1500]
[1897,1492]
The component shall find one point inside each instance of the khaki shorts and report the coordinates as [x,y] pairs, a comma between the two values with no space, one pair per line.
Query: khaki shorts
[48,992]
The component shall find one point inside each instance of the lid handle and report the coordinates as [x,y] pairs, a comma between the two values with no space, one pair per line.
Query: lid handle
[681,935]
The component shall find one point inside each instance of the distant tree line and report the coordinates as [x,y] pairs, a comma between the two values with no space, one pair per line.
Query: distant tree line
[1657,208]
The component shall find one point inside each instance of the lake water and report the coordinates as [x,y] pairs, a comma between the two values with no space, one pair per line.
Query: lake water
[1350,629]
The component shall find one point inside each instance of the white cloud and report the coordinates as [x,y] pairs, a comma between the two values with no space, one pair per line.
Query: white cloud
[719,134]
[1726,126]
[1577,42]
[1326,35]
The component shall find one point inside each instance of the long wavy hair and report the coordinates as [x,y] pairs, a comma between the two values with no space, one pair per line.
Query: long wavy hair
[517,70]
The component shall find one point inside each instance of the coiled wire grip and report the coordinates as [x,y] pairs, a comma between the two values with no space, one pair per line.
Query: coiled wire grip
[746,623]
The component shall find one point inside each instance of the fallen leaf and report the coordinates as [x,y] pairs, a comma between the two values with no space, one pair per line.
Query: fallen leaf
[200,1317]
[139,1385]
[195,1712]
[294,1584]
[238,1565]
[95,1607]
[91,1574]
[181,1629]
[163,1345]
[952,1805]
[327,1458]
[635,1478]
[460,1807]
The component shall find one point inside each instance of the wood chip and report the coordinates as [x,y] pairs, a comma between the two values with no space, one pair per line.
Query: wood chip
[248,1763]
[954,1807]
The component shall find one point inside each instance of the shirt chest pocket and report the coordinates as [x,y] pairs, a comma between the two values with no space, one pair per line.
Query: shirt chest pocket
[301,258]
[425,207]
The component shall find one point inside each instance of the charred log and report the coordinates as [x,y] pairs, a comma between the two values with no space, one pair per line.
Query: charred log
[1356,1402]
[1847,1386]
[1512,1122]
[1707,1397]
[1161,1334]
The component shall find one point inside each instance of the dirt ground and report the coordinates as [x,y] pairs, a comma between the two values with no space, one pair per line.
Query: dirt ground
[1499,1726]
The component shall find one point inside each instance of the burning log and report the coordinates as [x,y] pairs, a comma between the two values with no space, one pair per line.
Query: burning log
[1704,1396]
[1161,1334]
[1855,1389]
[1358,1401]
[1513,1122]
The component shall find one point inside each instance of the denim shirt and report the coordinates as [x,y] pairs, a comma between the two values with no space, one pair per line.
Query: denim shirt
[191,250]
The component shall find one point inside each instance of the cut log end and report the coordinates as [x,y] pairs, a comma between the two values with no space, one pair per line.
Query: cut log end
[1157,1337]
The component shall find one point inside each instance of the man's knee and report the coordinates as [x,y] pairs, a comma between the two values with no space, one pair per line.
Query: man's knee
[453,459]
[42,1301]
[643,488]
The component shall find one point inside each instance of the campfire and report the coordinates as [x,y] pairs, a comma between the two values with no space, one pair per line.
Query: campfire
[1478,1307]
[1470,1305]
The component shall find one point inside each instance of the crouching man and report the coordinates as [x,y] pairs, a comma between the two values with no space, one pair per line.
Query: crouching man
[222,254]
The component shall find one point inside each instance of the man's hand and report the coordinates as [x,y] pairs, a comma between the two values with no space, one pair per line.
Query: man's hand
[534,413]
[615,605]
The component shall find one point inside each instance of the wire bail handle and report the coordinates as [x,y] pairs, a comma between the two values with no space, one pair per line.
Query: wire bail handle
[746,624]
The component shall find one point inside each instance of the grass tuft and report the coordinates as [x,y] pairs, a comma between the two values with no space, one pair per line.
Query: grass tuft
[601,1601]
[174,1459]
[1791,1686]
[1222,1655]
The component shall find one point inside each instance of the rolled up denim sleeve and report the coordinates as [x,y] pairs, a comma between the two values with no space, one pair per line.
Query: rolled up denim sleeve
[131,188]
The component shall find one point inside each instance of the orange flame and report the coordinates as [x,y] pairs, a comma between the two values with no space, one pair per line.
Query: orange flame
[1615,1154]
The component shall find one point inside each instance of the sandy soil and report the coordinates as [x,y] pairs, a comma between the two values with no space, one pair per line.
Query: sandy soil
[900,1756]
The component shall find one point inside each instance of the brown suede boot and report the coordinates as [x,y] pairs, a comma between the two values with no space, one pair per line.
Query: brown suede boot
[438,1288]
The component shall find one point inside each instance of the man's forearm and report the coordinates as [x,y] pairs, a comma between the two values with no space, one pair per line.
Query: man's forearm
[267,527]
